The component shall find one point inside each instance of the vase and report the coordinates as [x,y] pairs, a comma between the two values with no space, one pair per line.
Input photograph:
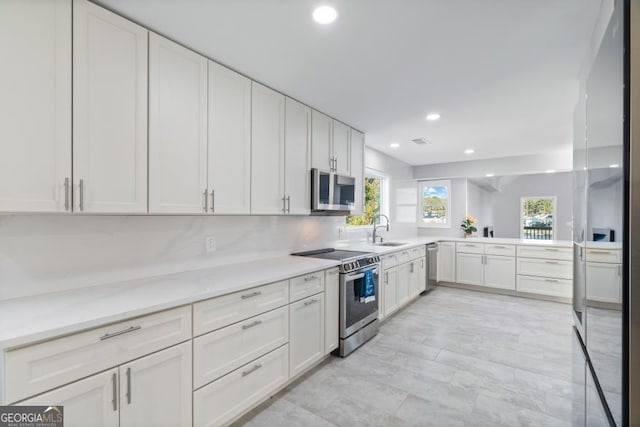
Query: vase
[467,235]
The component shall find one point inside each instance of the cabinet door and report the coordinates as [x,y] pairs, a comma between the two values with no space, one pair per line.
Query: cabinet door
[446,262]
[341,148]
[229,141]
[390,291]
[267,151]
[35,105]
[500,272]
[93,400]
[404,283]
[109,111]
[306,333]
[357,170]
[331,310]
[297,143]
[156,390]
[422,274]
[177,128]
[321,127]
[469,269]
[603,282]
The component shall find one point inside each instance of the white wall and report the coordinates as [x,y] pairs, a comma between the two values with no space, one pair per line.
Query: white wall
[45,253]
[506,208]
[458,212]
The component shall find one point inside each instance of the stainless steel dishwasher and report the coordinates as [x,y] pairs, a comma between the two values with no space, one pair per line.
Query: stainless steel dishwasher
[432,266]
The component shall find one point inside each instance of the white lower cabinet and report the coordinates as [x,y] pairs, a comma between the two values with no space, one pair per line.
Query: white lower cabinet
[306,333]
[470,269]
[156,390]
[404,283]
[390,293]
[545,286]
[500,272]
[446,262]
[604,282]
[91,401]
[227,398]
[226,349]
[331,310]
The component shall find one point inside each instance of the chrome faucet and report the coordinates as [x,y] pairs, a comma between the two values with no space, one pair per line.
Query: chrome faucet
[375,227]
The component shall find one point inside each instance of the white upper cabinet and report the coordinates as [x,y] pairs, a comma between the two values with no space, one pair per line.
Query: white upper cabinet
[35,105]
[177,128]
[109,111]
[341,149]
[321,129]
[229,141]
[297,144]
[267,151]
[357,170]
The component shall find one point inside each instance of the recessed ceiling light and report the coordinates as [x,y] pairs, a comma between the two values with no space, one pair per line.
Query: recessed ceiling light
[394,145]
[489,175]
[614,165]
[550,171]
[432,117]
[324,14]
[469,151]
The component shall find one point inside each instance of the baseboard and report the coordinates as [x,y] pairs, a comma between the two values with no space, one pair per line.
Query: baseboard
[509,292]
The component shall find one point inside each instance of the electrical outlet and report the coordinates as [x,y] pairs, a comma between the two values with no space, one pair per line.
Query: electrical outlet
[210,242]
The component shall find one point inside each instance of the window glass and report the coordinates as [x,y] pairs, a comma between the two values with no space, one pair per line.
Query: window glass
[436,203]
[537,217]
[373,187]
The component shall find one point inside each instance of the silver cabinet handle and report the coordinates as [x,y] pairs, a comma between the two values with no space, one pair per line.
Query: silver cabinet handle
[411,267]
[551,262]
[310,278]
[66,194]
[499,247]
[251,370]
[213,201]
[129,386]
[551,280]
[251,325]
[81,190]
[619,270]
[114,391]
[551,249]
[599,252]
[206,200]
[251,295]
[122,332]
[288,204]
[313,301]
[284,204]
[386,277]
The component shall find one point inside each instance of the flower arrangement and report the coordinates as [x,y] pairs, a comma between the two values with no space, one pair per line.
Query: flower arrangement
[468,225]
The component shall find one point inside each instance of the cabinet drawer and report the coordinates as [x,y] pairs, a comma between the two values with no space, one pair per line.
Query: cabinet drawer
[545,268]
[40,367]
[418,252]
[603,255]
[545,286]
[545,252]
[222,311]
[217,353]
[304,286]
[506,250]
[389,261]
[404,256]
[470,248]
[225,399]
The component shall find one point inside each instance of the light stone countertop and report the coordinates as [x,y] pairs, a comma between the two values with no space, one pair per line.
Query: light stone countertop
[36,318]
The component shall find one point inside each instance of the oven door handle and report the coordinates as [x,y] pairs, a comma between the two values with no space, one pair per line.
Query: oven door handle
[352,277]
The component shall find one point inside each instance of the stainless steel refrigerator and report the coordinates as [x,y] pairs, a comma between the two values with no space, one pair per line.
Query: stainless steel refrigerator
[606,368]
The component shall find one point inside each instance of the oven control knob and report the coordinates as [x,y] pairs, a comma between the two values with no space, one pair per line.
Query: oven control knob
[349,266]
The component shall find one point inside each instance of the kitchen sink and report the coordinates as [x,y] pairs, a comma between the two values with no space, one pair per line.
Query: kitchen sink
[390,244]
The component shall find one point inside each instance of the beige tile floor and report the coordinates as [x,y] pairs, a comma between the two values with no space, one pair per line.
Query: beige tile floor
[452,358]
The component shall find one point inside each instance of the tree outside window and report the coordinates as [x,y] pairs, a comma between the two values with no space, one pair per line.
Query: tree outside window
[537,217]
[436,203]
[372,202]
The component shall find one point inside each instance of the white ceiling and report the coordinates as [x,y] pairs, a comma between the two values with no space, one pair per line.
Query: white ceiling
[502,73]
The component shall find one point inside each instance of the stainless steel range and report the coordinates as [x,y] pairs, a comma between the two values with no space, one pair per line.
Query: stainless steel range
[358,316]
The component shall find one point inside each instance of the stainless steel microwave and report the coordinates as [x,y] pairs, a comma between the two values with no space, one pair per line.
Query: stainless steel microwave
[331,193]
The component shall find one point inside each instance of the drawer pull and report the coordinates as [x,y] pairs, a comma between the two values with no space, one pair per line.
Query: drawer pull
[332,272]
[470,246]
[551,280]
[551,262]
[599,252]
[251,295]
[251,325]
[313,301]
[500,247]
[310,278]
[251,370]
[122,332]
[551,249]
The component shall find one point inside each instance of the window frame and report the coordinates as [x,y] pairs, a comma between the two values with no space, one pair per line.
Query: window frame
[554,200]
[385,186]
[420,210]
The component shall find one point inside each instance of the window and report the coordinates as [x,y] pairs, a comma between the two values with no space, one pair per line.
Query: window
[537,217]
[374,200]
[436,204]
